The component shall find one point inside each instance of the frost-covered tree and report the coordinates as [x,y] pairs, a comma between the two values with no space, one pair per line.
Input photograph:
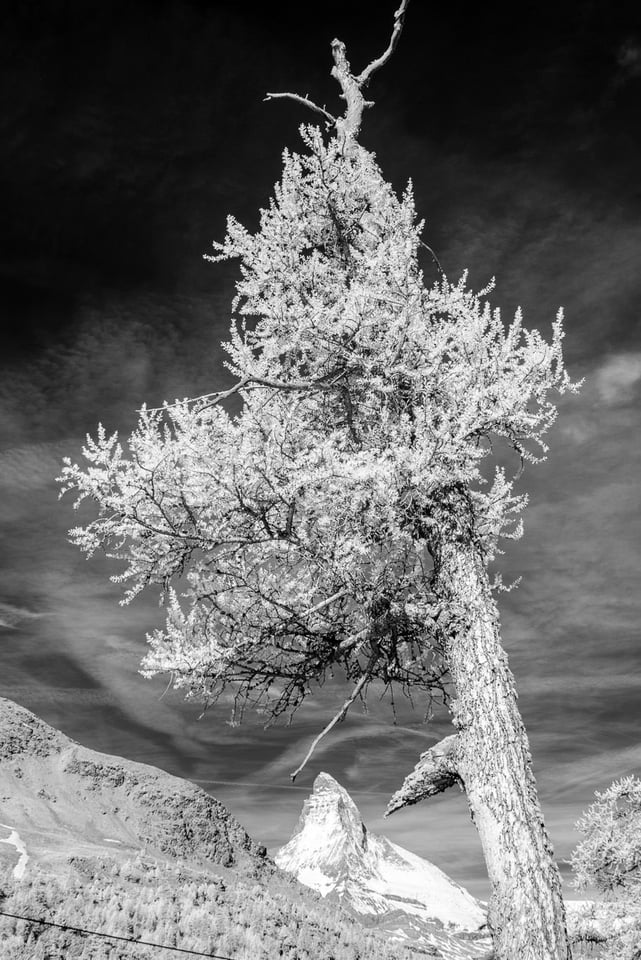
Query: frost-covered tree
[609,858]
[346,517]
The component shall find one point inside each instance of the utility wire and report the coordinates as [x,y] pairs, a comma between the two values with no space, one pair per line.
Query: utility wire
[113,936]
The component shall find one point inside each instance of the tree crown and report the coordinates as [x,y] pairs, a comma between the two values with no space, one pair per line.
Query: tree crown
[609,858]
[298,534]
[609,855]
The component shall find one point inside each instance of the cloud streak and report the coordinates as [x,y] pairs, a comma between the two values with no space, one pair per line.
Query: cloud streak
[11,616]
[618,376]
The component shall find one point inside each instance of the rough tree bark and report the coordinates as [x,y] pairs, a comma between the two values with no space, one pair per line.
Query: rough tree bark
[490,758]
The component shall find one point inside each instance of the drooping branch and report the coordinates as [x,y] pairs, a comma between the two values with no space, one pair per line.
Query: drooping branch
[342,713]
[434,257]
[435,772]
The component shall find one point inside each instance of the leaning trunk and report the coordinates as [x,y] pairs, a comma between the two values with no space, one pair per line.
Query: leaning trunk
[526,913]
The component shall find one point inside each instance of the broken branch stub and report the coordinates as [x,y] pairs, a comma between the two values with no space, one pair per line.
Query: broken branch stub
[435,772]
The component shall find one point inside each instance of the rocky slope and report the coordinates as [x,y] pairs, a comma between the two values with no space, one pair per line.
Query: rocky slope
[388,887]
[99,842]
[58,796]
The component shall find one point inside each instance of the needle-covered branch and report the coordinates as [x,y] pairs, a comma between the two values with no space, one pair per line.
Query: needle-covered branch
[325,382]
[608,857]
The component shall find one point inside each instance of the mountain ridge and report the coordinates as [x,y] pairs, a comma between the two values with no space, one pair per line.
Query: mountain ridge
[53,786]
[102,843]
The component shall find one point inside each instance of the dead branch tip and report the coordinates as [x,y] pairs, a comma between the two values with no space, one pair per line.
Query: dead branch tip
[305,101]
[399,19]
[348,125]
[342,713]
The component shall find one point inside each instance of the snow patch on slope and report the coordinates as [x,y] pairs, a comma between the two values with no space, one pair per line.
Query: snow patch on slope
[15,840]
[315,878]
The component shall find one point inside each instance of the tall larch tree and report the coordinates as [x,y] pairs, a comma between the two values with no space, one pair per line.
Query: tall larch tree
[344,518]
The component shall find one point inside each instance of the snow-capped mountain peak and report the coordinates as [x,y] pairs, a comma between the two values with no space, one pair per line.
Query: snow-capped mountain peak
[332,851]
[330,834]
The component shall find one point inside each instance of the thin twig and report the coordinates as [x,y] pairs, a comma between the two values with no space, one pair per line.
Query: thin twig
[348,644]
[342,713]
[215,398]
[171,680]
[324,603]
[434,257]
[304,100]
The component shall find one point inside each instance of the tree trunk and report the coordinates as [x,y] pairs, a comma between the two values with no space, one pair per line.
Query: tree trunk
[492,757]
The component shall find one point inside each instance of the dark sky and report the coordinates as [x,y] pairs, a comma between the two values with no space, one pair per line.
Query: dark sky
[129,131]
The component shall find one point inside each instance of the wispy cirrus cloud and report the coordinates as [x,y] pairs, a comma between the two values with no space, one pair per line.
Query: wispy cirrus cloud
[11,616]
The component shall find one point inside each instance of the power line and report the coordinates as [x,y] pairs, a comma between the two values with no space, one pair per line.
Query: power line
[113,936]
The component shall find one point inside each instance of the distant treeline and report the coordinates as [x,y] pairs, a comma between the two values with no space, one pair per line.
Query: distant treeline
[142,899]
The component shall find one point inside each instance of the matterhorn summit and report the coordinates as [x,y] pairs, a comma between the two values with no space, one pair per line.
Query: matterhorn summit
[330,843]
[333,852]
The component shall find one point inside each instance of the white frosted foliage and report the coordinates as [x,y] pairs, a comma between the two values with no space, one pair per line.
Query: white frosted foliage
[295,536]
[609,857]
